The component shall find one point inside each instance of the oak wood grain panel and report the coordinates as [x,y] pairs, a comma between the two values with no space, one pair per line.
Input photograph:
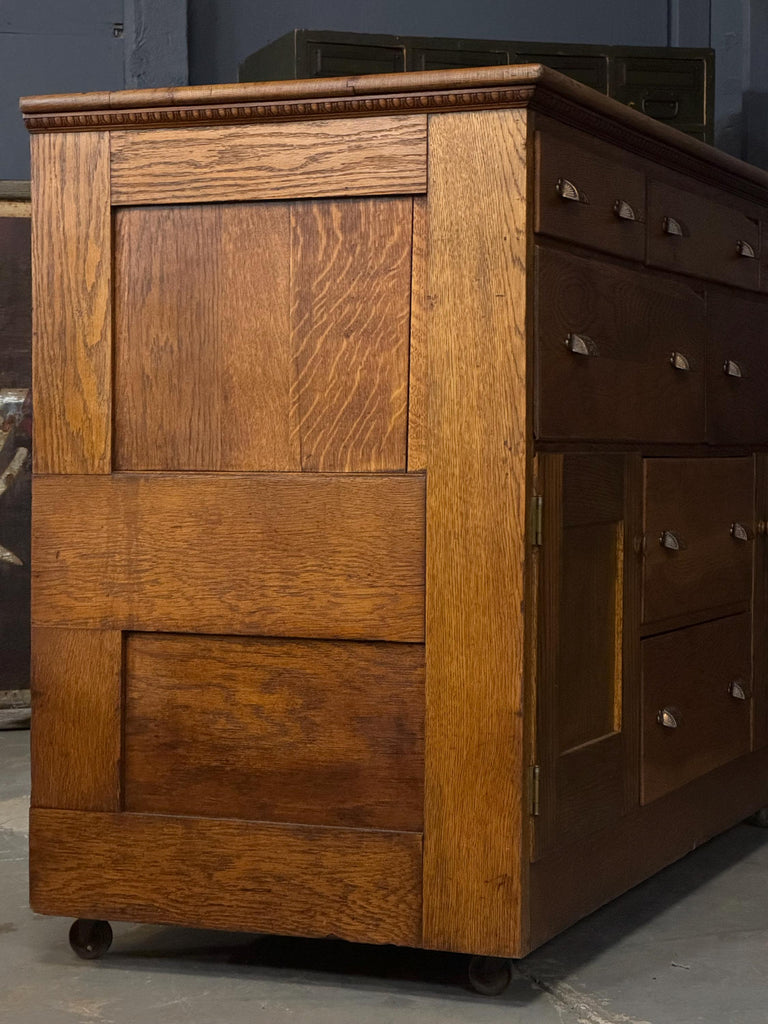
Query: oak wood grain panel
[351,283]
[418,397]
[475,829]
[272,555]
[312,731]
[204,377]
[292,880]
[370,156]
[71,295]
[76,725]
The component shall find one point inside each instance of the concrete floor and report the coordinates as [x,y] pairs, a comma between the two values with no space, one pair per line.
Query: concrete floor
[690,946]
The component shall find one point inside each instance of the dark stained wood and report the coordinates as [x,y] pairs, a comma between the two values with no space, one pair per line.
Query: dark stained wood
[627,388]
[632,849]
[698,500]
[418,369]
[15,302]
[712,225]
[477,523]
[760,608]
[76,726]
[276,555]
[604,176]
[375,156]
[72,309]
[690,671]
[311,731]
[288,879]
[351,284]
[737,410]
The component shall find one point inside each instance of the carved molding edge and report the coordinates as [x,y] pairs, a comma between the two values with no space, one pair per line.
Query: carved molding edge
[361,106]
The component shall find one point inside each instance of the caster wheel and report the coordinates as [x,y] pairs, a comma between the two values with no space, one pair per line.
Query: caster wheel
[489,975]
[759,818]
[90,939]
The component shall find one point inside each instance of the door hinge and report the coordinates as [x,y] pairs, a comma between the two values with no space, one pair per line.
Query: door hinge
[534,790]
[537,518]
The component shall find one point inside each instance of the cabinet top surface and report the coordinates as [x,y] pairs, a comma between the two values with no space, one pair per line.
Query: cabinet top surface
[521,85]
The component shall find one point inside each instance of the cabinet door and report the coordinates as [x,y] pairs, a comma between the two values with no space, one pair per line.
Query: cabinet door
[588,628]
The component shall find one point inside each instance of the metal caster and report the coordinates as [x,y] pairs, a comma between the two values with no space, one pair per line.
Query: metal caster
[90,939]
[489,975]
[759,818]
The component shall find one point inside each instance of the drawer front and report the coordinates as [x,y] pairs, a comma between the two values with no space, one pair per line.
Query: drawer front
[668,89]
[737,369]
[697,702]
[694,234]
[617,382]
[699,536]
[586,192]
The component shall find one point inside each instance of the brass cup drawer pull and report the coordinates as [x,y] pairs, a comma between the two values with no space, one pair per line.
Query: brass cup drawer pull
[740,532]
[670,718]
[623,210]
[745,249]
[672,541]
[733,369]
[679,361]
[672,227]
[581,345]
[567,190]
[738,690]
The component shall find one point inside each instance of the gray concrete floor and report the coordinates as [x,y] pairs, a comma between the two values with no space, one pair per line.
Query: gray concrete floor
[690,946]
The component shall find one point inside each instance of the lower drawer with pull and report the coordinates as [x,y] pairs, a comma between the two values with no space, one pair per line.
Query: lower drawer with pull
[737,368]
[697,702]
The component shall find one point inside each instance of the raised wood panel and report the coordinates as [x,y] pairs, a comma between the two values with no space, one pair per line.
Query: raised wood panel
[263,336]
[363,886]
[72,309]
[76,726]
[418,399]
[312,731]
[271,555]
[351,283]
[474,870]
[367,156]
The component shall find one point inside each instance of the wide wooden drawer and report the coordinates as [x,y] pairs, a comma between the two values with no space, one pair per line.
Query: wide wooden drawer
[700,235]
[737,369]
[607,341]
[699,536]
[696,702]
[589,192]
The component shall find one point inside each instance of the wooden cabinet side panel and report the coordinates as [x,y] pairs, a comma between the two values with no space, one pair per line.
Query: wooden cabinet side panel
[418,393]
[76,726]
[72,303]
[476,532]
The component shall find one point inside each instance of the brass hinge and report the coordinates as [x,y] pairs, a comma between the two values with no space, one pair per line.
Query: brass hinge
[537,517]
[534,790]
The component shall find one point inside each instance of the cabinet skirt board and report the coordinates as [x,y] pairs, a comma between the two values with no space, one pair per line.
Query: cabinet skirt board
[359,885]
[577,879]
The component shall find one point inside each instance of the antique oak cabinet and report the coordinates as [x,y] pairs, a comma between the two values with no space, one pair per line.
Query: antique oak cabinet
[400,504]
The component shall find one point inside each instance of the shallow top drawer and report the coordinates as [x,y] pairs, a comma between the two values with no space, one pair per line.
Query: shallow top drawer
[586,192]
[700,235]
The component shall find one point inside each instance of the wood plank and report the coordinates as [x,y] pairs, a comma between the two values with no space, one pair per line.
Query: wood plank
[760,608]
[76,727]
[270,555]
[312,731]
[345,156]
[291,880]
[204,376]
[475,825]
[351,283]
[418,366]
[71,293]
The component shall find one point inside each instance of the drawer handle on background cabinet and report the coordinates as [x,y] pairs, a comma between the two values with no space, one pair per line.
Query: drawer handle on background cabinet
[679,361]
[745,249]
[738,690]
[567,190]
[732,369]
[623,210]
[671,541]
[670,718]
[673,227]
[739,531]
[581,345]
